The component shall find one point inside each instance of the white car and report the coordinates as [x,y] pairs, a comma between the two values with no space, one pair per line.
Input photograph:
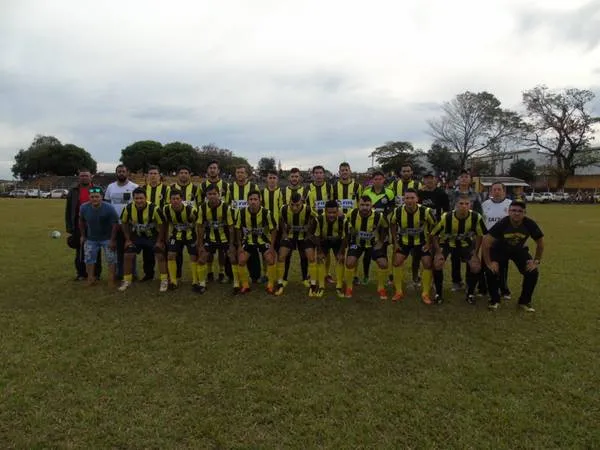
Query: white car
[18,193]
[562,197]
[530,197]
[546,197]
[58,193]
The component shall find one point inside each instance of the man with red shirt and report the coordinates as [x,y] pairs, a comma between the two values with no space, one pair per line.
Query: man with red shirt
[78,195]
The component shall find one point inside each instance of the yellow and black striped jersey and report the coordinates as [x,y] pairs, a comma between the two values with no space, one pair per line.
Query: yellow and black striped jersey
[330,231]
[457,232]
[188,193]
[365,231]
[238,195]
[383,201]
[317,196]
[400,186]
[273,201]
[296,225]
[412,228]
[346,194]
[255,228]
[143,222]
[289,190]
[159,194]
[217,222]
[221,185]
[182,223]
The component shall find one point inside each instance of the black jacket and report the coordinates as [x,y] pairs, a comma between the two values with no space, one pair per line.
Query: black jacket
[72,210]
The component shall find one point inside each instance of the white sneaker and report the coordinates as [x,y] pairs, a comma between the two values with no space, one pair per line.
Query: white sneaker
[527,307]
[164,286]
[124,285]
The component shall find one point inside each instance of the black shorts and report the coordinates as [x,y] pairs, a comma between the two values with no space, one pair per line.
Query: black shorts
[503,254]
[415,250]
[357,251]
[213,247]
[300,244]
[177,246]
[463,253]
[141,243]
[334,245]
[250,248]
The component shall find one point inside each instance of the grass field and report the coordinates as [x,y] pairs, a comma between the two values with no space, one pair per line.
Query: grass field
[89,368]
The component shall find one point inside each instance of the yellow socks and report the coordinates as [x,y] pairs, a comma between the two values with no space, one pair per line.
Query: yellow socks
[381,278]
[280,271]
[164,276]
[339,275]
[398,272]
[349,276]
[427,278]
[321,274]
[312,272]
[235,271]
[201,274]
[271,275]
[194,269]
[172,268]
[244,276]
[128,278]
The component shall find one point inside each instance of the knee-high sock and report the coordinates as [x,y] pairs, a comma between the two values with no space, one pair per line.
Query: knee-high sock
[321,274]
[339,275]
[398,272]
[280,271]
[381,277]
[288,260]
[349,277]
[427,278]
[201,274]
[235,272]
[471,281]
[271,275]
[304,266]
[312,272]
[438,280]
[244,276]
[366,265]
[194,269]
[172,269]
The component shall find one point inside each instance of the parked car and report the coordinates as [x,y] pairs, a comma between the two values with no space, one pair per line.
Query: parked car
[45,194]
[35,193]
[18,193]
[58,193]
[562,197]
[529,197]
[546,197]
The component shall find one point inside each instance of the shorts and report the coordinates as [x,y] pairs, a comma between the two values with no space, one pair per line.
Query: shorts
[356,251]
[262,248]
[92,248]
[334,245]
[416,251]
[463,253]
[213,247]
[141,243]
[519,256]
[177,246]
[300,244]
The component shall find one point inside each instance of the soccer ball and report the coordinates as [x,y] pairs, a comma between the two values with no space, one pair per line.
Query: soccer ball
[55,234]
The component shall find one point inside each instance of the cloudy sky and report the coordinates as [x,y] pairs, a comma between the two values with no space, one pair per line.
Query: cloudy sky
[304,81]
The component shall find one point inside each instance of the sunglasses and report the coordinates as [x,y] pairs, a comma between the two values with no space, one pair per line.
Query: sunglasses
[95,190]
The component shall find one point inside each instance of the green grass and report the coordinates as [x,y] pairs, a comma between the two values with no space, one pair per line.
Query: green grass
[90,368]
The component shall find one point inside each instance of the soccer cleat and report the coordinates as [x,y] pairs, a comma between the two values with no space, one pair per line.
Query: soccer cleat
[348,293]
[426,299]
[306,283]
[493,306]
[526,307]
[383,295]
[124,285]
[236,290]
[339,292]
[164,286]
[279,289]
[329,279]
[244,290]
[398,296]
[320,292]
[270,290]
[457,287]
[172,286]
[470,299]
[438,299]
[313,291]
[200,289]
[506,295]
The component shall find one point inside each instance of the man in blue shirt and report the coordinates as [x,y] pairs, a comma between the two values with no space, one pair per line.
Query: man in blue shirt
[98,225]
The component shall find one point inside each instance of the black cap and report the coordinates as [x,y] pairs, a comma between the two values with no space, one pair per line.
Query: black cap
[429,174]
[519,203]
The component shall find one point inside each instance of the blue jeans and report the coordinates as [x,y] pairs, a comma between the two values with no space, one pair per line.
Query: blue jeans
[92,248]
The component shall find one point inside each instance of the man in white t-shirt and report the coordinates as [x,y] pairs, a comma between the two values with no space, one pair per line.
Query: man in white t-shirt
[494,209]
[119,194]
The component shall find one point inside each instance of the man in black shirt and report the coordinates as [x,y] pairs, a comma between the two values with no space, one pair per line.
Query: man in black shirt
[433,197]
[506,241]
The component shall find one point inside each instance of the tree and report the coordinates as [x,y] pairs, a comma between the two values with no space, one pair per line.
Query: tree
[523,169]
[176,154]
[47,155]
[142,154]
[481,168]
[266,164]
[227,160]
[392,155]
[560,124]
[442,159]
[472,123]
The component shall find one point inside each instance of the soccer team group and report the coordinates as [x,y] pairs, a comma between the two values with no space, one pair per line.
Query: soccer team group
[251,233]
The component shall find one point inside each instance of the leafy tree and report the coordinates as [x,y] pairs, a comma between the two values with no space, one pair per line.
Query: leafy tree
[142,154]
[561,125]
[227,160]
[523,169]
[481,168]
[47,155]
[176,154]
[392,155]
[472,123]
[265,164]
[442,159]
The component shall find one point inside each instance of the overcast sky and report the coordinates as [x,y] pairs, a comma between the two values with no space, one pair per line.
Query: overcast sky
[305,81]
